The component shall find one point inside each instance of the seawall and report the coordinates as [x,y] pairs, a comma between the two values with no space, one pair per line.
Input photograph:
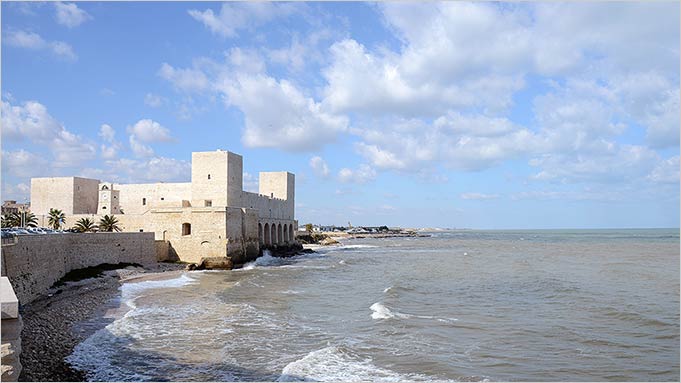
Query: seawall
[33,263]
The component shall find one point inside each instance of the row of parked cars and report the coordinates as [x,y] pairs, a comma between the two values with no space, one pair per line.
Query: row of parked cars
[8,232]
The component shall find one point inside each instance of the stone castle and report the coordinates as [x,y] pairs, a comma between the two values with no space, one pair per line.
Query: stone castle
[211,216]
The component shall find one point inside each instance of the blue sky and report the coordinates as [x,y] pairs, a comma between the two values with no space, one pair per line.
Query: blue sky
[476,115]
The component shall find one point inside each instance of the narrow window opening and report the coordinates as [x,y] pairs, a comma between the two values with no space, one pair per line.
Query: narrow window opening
[141,230]
[209,176]
[208,203]
[162,199]
[144,201]
[186,228]
[103,207]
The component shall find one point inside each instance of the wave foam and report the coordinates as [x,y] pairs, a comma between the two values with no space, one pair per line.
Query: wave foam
[382,312]
[336,364]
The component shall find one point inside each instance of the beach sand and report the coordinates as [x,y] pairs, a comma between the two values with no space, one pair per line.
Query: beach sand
[49,334]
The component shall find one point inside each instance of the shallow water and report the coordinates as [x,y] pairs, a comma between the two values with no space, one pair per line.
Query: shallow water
[597,305]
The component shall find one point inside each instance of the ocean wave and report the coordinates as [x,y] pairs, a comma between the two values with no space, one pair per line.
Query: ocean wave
[329,249]
[380,311]
[337,364]
[131,290]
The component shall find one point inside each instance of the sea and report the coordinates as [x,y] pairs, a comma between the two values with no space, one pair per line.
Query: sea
[462,305]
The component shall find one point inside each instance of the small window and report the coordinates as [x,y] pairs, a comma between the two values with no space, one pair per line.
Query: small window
[141,230]
[105,187]
[186,228]
[103,207]
[208,203]
[209,176]
[115,197]
[271,195]
[144,201]
[162,199]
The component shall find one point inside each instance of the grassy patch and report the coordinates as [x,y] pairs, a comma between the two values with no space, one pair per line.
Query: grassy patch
[91,272]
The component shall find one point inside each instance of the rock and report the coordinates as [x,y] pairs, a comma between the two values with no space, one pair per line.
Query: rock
[191,266]
[328,241]
[215,263]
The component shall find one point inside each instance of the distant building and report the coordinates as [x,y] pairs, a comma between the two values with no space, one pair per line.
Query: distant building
[11,206]
[211,216]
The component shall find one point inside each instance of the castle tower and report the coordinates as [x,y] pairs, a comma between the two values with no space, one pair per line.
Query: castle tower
[108,202]
[279,185]
[217,178]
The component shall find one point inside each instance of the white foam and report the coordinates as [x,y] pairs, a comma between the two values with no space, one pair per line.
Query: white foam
[263,261]
[387,289]
[336,364]
[382,312]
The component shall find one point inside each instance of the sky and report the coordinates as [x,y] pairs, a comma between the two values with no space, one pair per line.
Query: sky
[454,114]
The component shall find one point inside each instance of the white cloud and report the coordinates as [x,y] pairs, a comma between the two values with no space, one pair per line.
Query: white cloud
[107,133]
[32,40]
[32,121]
[70,15]
[22,163]
[363,174]
[153,100]
[319,166]
[478,196]
[666,171]
[147,130]
[154,169]
[139,149]
[188,80]
[278,115]
[236,16]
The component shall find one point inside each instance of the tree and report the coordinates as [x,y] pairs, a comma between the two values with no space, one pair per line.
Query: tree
[308,228]
[23,219]
[10,220]
[84,225]
[109,223]
[56,218]
[27,218]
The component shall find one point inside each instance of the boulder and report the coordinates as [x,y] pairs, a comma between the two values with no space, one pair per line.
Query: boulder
[328,241]
[215,263]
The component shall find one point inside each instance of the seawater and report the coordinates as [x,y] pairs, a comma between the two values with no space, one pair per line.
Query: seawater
[600,305]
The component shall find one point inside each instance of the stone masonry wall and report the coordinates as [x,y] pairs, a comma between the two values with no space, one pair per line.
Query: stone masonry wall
[35,262]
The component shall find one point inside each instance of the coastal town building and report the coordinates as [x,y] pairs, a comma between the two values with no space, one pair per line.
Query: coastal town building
[11,206]
[211,216]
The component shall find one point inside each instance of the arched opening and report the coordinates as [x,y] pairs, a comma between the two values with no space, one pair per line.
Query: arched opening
[285,233]
[105,187]
[279,236]
[290,232]
[268,239]
[274,234]
[260,233]
[186,228]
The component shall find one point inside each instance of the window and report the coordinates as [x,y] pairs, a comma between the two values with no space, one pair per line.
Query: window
[141,230]
[103,207]
[162,198]
[209,176]
[186,228]
[105,187]
[208,203]
[144,201]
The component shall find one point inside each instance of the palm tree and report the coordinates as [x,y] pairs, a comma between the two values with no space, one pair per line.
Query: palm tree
[84,225]
[56,218]
[109,223]
[29,219]
[10,220]
[23,219]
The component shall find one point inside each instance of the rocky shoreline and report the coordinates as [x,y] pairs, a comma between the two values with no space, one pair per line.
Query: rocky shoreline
[48,334]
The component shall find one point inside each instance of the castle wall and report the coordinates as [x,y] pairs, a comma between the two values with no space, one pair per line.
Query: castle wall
[51,193]
[155,195]
[268,207]
[35,262]
[85,195]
